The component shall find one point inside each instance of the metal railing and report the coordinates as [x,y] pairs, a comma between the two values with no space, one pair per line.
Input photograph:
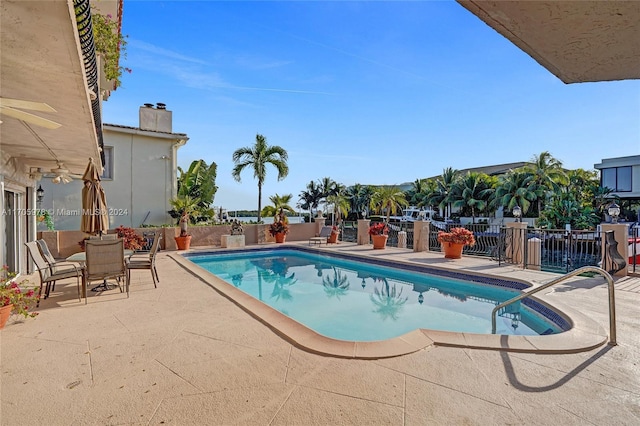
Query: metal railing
[612,301]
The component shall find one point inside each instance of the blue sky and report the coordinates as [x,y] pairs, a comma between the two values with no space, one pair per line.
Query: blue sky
[362,92]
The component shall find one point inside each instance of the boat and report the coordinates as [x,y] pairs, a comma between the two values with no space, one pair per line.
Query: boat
[411,214]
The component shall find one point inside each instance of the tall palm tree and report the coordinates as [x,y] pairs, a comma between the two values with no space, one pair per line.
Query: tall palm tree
[311,197]
[279,203]
[328,187]
[548,175]
[339,204]
[388,199]
[444,196]
[257,157]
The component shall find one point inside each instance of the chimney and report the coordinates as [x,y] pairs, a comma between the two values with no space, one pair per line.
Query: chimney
[157,119]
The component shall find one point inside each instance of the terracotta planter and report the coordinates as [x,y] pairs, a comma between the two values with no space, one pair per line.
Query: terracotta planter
[333,238]
[280,237]
[5,311]
[379,241]
[452,250]
[183,243]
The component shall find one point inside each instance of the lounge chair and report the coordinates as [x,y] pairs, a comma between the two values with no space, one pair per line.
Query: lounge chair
[323,237]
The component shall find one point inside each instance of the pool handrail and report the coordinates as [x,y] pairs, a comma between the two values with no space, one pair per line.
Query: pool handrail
[605,274]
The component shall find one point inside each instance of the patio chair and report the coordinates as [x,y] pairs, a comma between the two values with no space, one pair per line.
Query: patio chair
[51,272]
[146,260]
[323,237]
[104,260]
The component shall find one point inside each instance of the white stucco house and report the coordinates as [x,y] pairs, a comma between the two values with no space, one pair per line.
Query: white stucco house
[139,178]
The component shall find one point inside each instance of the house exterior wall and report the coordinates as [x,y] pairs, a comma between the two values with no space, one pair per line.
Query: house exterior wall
[143,181]
[17,218]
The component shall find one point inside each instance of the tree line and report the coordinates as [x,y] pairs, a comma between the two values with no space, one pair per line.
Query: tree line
[542,188]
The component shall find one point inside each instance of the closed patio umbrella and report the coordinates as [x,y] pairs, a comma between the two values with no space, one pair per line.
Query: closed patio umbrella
[95,218]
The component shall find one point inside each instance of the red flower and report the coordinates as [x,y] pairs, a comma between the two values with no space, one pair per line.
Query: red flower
[457,236]
[378,228]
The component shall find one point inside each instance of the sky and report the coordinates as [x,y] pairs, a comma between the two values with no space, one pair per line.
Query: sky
[362,92]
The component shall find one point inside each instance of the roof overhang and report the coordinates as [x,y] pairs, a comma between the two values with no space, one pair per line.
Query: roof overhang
[578,41]
[42,62]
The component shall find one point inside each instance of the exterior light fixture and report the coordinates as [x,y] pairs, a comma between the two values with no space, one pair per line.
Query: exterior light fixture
[614,212]
[39,194]
[517,213]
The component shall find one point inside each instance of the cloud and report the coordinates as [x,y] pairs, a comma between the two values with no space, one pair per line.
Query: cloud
[159,51]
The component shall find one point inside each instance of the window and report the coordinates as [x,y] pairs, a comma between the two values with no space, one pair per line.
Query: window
[108,163]
[617,178]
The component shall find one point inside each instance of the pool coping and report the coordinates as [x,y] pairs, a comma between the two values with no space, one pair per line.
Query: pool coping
[584,335]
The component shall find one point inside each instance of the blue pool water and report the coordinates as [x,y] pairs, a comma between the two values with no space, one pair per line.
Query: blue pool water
[356,301]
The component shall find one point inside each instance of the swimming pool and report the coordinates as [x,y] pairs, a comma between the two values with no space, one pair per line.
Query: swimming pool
[347,299]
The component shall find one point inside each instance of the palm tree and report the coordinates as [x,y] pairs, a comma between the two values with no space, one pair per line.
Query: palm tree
[311,198]
[443,196]
[388,199]
[279,203]
[515,188]
[547,173]
[328,187]
[198,182]
[474,193]
[340,205]
[257,157]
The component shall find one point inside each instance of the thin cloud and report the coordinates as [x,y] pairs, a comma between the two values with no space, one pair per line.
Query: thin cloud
[148,47]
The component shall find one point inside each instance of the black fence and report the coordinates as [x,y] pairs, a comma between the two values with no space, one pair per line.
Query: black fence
[552,250]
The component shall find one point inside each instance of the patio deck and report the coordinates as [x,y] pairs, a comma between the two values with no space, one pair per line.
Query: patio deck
[184,354]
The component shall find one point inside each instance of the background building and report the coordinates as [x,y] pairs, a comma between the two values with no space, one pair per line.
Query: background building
[139,178]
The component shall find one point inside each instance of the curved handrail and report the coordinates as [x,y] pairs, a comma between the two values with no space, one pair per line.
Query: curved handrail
[612,302]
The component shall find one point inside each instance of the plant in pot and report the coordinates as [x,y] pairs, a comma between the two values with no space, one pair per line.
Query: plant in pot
[186,205]
[454,241]
[280,226]
[335,233]
[379,233]
[13,298]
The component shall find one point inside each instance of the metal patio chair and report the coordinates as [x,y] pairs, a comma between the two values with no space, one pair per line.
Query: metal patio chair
[146,260]
[51,272]
[104,260]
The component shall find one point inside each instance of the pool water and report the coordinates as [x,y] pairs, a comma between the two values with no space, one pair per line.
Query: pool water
[358,301]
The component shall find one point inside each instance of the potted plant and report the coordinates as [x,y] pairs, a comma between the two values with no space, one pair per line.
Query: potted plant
[335,233]
[453,242]
[379,233]
[14,299]
[279,229]
[132,241]
[186,205]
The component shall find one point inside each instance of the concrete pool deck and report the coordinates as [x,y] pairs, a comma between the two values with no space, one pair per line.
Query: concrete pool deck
[184,354]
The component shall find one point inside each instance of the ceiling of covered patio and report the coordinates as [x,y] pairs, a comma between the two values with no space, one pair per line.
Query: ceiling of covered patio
[42,62]
[578,41]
